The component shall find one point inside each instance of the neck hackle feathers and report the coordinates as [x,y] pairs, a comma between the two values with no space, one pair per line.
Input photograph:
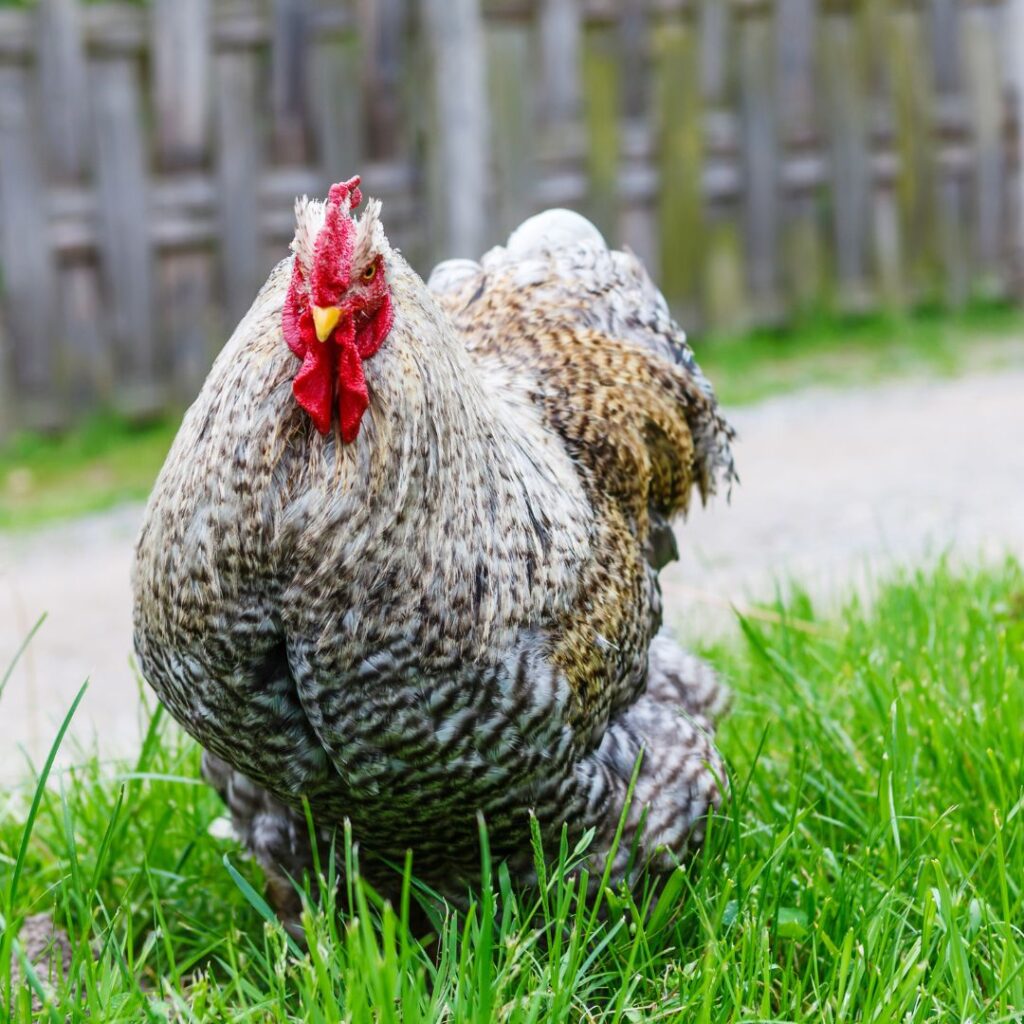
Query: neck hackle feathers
[331,375]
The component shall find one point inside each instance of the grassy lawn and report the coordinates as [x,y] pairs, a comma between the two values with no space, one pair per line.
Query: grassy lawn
[870,867]
[110,460]
[861,352]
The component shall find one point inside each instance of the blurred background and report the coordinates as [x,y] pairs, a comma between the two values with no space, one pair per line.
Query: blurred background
[770,160]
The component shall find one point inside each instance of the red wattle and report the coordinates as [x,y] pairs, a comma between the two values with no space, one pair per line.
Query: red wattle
[296,317]
[353,398]
[313,386]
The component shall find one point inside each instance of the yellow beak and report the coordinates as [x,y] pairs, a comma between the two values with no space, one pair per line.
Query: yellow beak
[325,319]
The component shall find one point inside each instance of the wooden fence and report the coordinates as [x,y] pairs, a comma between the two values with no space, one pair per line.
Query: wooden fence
[766,157]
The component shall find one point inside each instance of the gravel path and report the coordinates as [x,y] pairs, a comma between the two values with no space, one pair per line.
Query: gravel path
[836,487]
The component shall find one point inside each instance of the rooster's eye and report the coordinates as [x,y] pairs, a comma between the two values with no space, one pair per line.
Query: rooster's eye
[370,272]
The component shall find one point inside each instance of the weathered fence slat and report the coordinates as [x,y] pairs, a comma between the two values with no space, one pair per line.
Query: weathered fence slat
[802,247]
[602,117]
[85,357]
[123,209]
[237,75]
[458,186]
[339,124]
[1015,81]
[946,39]
[721,279]
[63,84]
[984,88]
[29,279]
[847,116]
[760,159]
[915,178]
[512,129]
[680,146]
[182,47]
[288,72]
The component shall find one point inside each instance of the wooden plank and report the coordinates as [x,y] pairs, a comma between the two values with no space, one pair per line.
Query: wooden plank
[602,113]
[387,57]
[916,181]
[984,80]
[1015,80]
[288,81]
[62,80]
[560,31]
[635,46]
[723,284]
[181,50]
[511,104]
[875,21]
[188,323]
[458,160]
[29,279]
[85,356]
[760,149]
[802,248]
[88,359]
[7,420]
[237,76]
[561,142]
[846,117]
[952,187]
[338,103]
[680,160]
[638,220]
[181,46]
[123,219]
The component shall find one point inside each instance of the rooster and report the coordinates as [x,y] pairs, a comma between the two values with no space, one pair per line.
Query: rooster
[401,560]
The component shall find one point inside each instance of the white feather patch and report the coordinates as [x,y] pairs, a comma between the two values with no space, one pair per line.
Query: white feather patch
[451,275]
[550,230]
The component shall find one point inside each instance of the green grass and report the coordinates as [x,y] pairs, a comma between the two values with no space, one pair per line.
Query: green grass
[861,351]
[870,867]
[109,460]
[106,461]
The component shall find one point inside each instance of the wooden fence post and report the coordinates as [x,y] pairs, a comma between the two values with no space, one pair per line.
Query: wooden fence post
[721,279]
[953,199]
[289,51]
[801,134]
[679,116]
[181,46]
[602,103]
[511,101]
[760,148]
[237,71]
[85,357]
[985,103]
[457,193]
[29,279]
[847,117]
[1015,71]
[916,193]
[123,221]
[338,108]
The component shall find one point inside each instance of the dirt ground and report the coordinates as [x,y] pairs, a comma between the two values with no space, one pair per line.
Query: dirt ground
[836,488]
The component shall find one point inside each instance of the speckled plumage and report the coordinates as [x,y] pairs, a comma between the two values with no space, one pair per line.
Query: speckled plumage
[459,611]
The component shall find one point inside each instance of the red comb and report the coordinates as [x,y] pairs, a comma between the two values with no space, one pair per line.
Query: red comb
[332,255]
